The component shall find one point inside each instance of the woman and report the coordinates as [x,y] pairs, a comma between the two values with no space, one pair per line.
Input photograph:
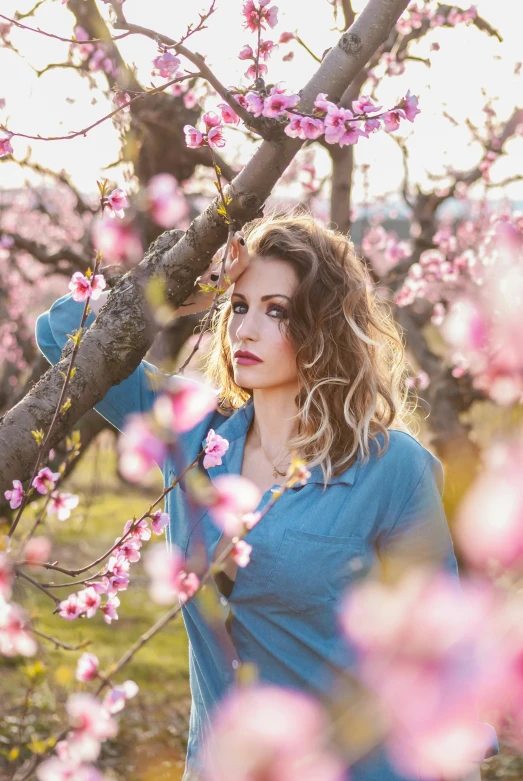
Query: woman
[305,359]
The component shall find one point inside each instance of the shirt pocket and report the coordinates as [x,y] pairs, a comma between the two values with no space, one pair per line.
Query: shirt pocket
[311,571]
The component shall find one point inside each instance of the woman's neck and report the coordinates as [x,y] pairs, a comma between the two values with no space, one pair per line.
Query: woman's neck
[274,422]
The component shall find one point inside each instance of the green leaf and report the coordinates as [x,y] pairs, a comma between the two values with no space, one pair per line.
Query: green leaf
[38,435]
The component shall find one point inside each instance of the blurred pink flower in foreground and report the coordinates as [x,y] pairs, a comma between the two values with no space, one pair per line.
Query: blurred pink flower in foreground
[6,577]
[169,580]
[418,645]
[37,549]
[87,667]
[265,732]
[119,242]
[215,447]
[139,448]
[165,201]
[235,496]
[14,637]
[489,528]
[62,504]
[184,405]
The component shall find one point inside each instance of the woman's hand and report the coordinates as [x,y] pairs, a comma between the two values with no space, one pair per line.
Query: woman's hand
[235,265]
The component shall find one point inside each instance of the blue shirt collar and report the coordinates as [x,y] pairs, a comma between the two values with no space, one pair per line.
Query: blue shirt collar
[234,430]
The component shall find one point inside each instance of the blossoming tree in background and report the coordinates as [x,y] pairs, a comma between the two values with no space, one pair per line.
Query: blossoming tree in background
[455,287]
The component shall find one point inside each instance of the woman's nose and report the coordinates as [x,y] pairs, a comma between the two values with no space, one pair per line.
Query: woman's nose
[248,327]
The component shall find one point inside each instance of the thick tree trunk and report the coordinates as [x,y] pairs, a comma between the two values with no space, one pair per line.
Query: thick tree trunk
[114,345]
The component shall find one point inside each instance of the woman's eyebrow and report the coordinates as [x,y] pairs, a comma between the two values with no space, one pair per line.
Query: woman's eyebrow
[264,298]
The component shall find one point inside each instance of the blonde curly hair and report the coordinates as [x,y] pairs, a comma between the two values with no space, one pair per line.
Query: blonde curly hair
[349,351]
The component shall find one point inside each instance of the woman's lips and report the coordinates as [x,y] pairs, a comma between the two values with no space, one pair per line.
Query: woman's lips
[247,361]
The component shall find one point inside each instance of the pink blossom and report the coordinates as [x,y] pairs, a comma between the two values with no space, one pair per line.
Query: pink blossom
[235,496]
[250,73]
[215,137]
[409,104]
[364,105]
[276,104]
[109,609]
[141,530]
[323,103]
[350,136]
[288,57]
[87,667]
[251,519]
[215,447]
[159,521]
[264,731]
[15,495]
[116,202]
[80,286]
[14,637]
[118,242]
[88,716]
[183,407]
[120,99]
[166,202]
[285,37]
[229,116]
[489,527]
[246,53]
[164,569]
[312,128]
[6,577]
[115,699]
[412,640]
[70,608]
[37,550]
[5,146]
[241,553]
[335,124]
[266,48]
[55,769]
[391,119]
[371,125]
[257,15]
[465,326]
[89,601]
[129,550]
[61,505]
[98,285]
[165,65]
[45,480]
[189,584]
[211,119]
[193,137]
[254,104]
[140,448]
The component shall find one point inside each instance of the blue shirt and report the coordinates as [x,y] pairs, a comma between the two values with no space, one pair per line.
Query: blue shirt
[306,552]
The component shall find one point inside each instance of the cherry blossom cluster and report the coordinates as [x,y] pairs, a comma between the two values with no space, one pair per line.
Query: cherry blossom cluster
[116,575]
[91,723]
[417,13]
[256,16]
[93,54]
[15,638]
[384,249]
[338,125]
[475,282]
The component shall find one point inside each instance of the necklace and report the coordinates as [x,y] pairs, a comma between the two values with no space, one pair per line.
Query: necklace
[275,472]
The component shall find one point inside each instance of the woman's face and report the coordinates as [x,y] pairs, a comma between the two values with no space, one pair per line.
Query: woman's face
[259,306]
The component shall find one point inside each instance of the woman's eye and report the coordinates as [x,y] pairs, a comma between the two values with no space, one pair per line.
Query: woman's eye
[280,311]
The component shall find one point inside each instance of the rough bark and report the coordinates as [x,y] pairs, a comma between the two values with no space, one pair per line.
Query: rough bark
[114,345]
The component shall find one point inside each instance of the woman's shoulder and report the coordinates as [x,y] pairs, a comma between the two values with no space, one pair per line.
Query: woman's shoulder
[403,460]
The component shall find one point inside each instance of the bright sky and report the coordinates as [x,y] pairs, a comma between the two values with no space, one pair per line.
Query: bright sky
[468,63]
